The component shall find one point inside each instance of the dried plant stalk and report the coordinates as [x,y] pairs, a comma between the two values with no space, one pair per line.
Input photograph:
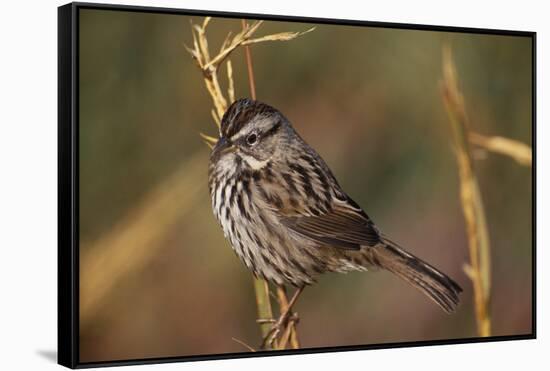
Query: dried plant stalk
[518,151]
[209,67]
[290,335]
[263,304]
[231,87]
[479,268]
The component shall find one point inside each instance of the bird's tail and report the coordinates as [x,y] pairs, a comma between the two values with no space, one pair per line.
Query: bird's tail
[434,284]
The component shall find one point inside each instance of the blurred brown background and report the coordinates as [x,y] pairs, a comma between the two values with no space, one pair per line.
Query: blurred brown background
[157,276]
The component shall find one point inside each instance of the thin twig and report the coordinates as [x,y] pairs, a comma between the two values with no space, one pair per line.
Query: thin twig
[265,320]
[243,344]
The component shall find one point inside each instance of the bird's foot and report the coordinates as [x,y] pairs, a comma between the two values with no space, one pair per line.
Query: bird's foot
[277,328]
[282,322]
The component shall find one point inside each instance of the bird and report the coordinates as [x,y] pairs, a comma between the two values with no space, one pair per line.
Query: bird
[287,217]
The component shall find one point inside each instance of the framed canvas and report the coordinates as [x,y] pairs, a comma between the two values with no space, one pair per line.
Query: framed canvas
[218,172]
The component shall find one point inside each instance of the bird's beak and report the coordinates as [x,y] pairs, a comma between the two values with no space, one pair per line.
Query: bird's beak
[223,145]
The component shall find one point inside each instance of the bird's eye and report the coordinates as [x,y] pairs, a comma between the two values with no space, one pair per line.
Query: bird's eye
[251,139]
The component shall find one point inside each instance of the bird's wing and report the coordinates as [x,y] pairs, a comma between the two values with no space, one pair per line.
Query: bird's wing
[346,226]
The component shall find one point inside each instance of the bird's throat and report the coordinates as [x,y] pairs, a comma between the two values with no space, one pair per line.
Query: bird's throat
[254,163]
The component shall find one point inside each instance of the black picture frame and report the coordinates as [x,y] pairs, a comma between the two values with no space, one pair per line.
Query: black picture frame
[68,182]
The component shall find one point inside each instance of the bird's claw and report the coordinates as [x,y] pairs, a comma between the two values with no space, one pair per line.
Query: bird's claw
[277,327]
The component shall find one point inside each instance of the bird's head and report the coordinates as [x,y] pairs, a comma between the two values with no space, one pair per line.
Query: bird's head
[252,134]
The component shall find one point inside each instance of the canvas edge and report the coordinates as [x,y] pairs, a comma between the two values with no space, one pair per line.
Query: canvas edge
[67,268]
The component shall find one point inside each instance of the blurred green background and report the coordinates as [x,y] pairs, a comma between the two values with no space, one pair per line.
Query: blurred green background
[157,276]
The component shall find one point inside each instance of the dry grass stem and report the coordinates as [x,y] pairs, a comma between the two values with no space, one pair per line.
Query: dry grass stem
[231,86]
[210,141]
[518,151]
[290,334]
[244,344]
[249,66]
[263,305]
[209,66]
[479,267]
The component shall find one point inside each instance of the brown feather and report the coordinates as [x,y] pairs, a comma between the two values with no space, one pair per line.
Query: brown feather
[340,227]
[430,281]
